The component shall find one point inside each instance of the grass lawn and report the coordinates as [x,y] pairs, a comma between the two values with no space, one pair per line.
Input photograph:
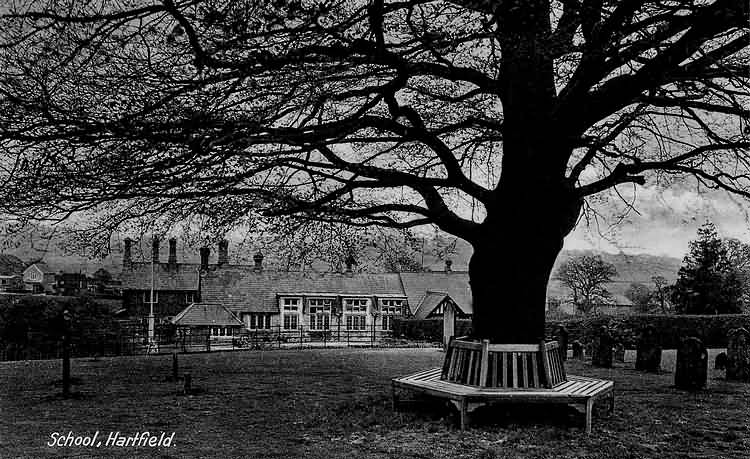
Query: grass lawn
[335,403]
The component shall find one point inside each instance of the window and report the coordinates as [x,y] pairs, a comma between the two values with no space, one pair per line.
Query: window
[290,308]
[355,310]
[147,296]
[356,322]
[388,309]
[356,305]
[189,298]
[320,313]
[256,321]
[290,322]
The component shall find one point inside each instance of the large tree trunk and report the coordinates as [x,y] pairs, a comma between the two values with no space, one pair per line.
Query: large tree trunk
[512,263]
[534,207]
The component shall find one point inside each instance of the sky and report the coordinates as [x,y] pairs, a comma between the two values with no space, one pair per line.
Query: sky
[666,221]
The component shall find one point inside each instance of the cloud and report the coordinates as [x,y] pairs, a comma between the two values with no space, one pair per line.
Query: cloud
[666,220]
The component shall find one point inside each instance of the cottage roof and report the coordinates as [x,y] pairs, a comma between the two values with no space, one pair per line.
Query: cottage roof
[242,288]
[206,314]
[179,277]
[430,301]
[10,265]
[454,283]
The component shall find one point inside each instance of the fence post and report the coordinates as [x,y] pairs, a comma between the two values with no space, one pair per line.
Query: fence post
[208,342]
[300,337]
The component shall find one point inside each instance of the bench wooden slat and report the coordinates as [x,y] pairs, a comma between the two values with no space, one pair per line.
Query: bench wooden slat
[514,348]
[534,369]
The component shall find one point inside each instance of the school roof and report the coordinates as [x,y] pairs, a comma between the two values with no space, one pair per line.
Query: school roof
[206,314]
[243,288]
[455,284]
[251,291]
[10,265]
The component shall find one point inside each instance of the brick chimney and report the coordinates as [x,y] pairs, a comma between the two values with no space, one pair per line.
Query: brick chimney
[172,252]
[205,253]
[155,249]
[448,264]
[258,259]
[223,253]
[349,263]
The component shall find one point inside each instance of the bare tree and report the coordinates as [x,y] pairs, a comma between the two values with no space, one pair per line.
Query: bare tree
[586,277]
[497,121]
[661,293]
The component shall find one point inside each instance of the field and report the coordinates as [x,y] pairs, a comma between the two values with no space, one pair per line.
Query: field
[335,403]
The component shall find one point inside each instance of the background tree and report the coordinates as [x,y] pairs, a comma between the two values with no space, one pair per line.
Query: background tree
[707,281]
[495,121]
[586,277]
[661,293]
[640,295]
[738,254]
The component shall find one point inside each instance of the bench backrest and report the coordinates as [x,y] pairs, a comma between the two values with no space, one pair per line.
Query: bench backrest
[504,365]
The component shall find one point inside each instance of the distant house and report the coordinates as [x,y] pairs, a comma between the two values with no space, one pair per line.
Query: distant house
[11,273]
[39,278]
[263,299]
[213,319]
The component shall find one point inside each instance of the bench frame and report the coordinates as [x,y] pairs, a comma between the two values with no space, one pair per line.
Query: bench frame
[577,390]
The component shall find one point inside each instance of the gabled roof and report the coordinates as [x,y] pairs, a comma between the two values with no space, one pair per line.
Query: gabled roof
[429,302]
[242,289]
[182,276]
[10,265]
[205,314]
[455,284]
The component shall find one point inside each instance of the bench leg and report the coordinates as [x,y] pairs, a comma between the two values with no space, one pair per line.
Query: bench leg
[463,413]
[589,410]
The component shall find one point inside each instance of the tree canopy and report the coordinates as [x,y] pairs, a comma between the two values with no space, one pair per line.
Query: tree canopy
[387,113]
[708,282]
[496,121]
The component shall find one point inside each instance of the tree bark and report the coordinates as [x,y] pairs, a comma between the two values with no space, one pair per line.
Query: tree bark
[512,262]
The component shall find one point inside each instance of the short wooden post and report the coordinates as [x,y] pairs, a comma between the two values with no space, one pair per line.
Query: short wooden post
[175,367]
[589,410]
[449,324]
[66,354]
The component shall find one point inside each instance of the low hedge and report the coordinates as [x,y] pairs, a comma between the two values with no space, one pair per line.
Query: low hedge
[711,329]
[426,329]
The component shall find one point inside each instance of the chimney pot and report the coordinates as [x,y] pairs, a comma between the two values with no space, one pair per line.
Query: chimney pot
[205,253]
[155,249]
[223,252]
[172,251]
[258,259]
